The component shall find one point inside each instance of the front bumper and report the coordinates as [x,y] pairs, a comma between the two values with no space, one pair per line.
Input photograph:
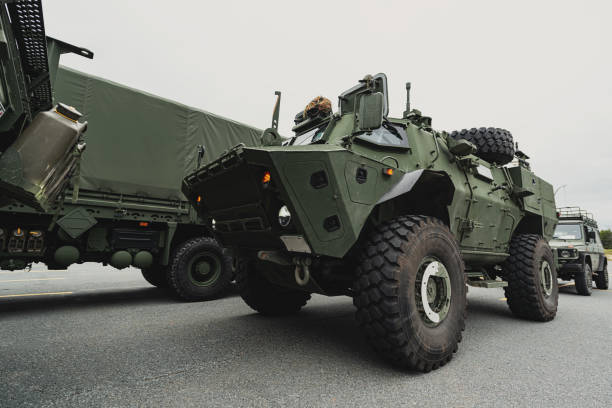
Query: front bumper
[329,205]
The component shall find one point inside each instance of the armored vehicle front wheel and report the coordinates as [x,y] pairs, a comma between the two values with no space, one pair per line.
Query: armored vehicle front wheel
[265,297]
[156,275]
[532,291]
[584,281]
[199,270]
[601,280]
[410,292]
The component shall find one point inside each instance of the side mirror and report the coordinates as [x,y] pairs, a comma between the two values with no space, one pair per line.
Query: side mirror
[371,108]
[591,236]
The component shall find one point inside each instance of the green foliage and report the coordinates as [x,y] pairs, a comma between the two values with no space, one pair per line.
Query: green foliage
[606,238]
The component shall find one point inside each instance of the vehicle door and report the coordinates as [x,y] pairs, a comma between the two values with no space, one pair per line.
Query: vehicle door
[600,249]
[489,223]
[592,247]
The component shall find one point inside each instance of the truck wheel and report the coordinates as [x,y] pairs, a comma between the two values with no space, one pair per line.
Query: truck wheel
[494,145]
[410,292]
[199,270]
[601,280]
[156,275]
[265,297]
[532,291]
[584,281]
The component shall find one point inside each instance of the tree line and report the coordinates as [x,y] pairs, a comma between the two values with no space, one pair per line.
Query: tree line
[606,238]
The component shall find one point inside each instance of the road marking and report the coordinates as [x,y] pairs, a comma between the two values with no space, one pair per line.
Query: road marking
[27,280]
[34,271]
[36,294]
[503,299]
[567,284]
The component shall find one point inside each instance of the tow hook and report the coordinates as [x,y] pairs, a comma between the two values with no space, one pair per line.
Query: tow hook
[302,270]
[302,264]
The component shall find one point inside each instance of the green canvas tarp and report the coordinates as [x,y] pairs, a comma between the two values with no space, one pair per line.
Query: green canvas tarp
[141,144]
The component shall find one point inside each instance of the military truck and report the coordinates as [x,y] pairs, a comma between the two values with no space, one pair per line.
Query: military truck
[386,210]
[123,205]
[579,252]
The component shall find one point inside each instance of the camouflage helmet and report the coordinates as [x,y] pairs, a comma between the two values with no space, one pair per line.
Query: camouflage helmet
[319,105]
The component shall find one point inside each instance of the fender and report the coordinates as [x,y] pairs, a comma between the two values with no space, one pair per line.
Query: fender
[417,184]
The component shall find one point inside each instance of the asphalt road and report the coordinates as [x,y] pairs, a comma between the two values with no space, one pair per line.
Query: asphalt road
[94,336]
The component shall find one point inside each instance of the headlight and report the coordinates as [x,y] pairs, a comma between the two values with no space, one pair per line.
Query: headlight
[284,216]
[565,253]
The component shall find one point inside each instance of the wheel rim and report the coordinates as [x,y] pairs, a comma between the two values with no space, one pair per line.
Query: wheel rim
[546,278]
[433,291]
[204,269]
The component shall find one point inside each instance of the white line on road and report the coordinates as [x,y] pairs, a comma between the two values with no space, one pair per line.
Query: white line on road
[36,294]
[27,280]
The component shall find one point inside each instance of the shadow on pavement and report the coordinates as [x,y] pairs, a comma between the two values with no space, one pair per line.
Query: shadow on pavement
[86,299]
[92,299]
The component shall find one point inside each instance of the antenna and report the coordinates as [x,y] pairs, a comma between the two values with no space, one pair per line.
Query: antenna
[407,111]
[276,110]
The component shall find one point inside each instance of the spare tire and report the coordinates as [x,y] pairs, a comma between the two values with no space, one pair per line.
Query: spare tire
[494,145]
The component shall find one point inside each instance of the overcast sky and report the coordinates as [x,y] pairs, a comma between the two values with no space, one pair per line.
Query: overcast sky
[541,69]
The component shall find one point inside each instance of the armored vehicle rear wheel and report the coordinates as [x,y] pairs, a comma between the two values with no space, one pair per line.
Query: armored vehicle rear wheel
[601,280]
[410,292]
[199,270]
[265,297]
[156,275]
[584,281]
[532,291]
[494,145]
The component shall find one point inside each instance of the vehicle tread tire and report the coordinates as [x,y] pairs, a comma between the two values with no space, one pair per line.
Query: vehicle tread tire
[524,293]
[583,281]
[494,145]
[156,275]
[265,297]
[602,280]
[178,276]
[389,323]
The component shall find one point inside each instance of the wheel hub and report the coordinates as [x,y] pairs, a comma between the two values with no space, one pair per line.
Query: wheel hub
[546,278]
[433,291]
[205,269]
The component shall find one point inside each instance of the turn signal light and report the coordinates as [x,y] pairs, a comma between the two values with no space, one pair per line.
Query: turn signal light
[199,199]
[388,171]
[266,178]
[143,224]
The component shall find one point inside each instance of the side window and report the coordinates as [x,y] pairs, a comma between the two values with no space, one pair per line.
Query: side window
[598,238]
[388,134]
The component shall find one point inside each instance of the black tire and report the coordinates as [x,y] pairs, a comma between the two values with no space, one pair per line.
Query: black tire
[156,275]
[494,145]
[533,291]
[602,280]
[390,310]
[584,281]
[265,297]
[199,270]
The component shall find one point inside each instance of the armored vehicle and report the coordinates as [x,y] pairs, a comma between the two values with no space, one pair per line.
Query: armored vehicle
[123,205]
[386,210]
[579,251]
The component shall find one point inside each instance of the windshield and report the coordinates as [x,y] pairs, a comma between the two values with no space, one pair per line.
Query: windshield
[312,136]
[568,231]
[387,135]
